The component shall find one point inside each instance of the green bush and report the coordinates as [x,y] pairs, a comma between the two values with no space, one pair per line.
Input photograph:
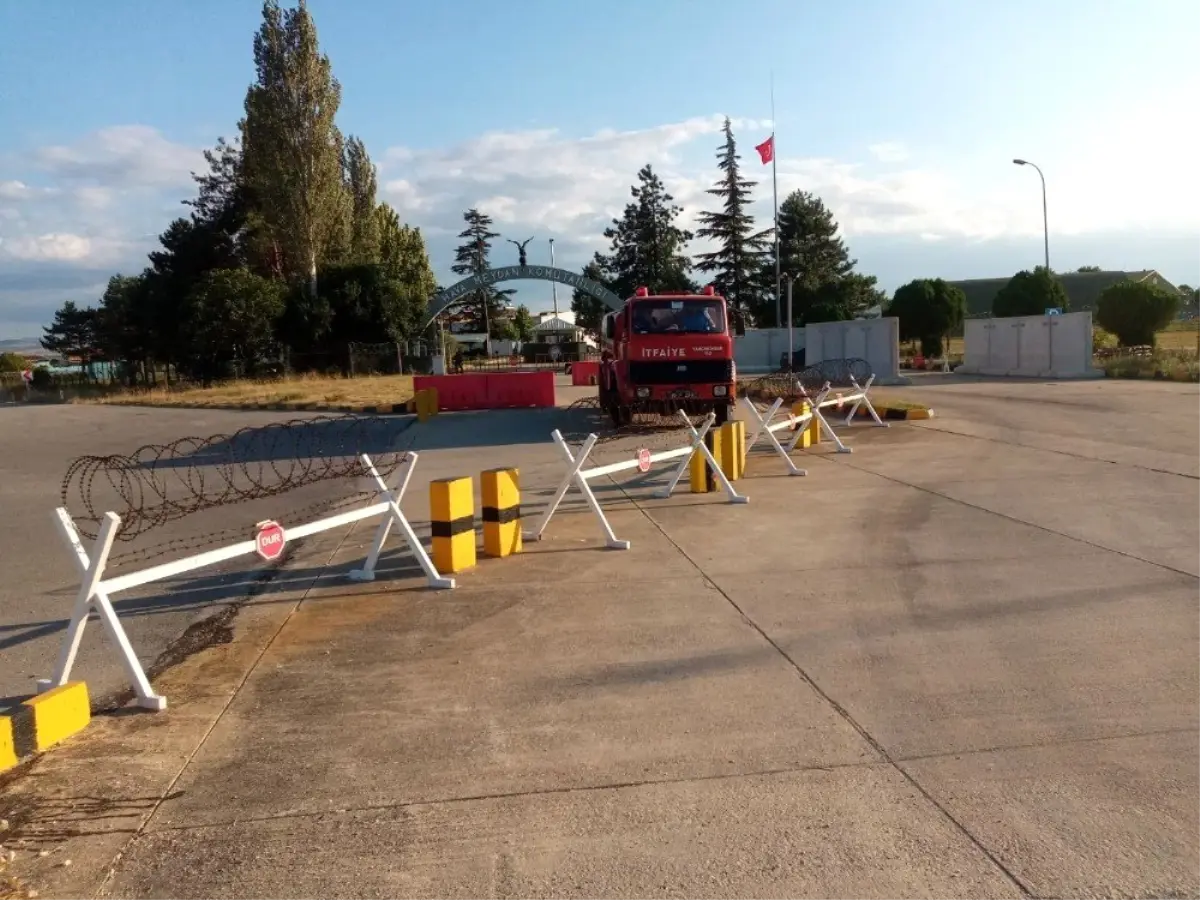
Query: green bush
[1031,294]
[1102,340]
[1135,311]
[13,362]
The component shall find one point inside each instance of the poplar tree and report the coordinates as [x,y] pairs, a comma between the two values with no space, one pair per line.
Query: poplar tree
[292,149]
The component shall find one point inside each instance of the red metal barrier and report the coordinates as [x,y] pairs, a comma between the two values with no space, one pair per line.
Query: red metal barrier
[512,390]
[504,390]
[585,373]
[455,392]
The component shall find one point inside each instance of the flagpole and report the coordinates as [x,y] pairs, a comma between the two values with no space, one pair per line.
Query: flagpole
[775,192]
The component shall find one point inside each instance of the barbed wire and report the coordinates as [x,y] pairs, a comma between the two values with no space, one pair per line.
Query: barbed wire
[161,483]
[836,373]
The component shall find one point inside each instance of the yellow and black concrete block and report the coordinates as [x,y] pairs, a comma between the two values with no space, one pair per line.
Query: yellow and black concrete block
[43,721]
[452,523]
[812,431]
[700,474]
[733,449]
[501,495]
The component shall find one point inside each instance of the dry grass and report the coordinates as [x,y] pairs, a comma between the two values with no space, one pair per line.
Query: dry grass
[320,390]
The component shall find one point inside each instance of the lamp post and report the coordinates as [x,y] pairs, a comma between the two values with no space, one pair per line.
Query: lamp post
[553,284]
[1045,218]
[791,279]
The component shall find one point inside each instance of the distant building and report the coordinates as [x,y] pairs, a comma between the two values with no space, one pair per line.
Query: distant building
[1083,288]
[557,330]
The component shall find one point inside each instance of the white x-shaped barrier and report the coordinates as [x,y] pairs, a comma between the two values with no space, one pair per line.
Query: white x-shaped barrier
[579,476]
[766,426]
[857,398]
[96,591]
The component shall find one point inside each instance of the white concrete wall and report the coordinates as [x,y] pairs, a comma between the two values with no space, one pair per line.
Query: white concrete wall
[759,349]
[875,340]
[1030,346]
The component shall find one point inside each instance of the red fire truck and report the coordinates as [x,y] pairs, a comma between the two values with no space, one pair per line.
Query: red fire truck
[665,352]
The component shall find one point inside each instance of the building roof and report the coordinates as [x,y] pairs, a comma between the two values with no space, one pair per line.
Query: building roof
[555,324]
[1083,288]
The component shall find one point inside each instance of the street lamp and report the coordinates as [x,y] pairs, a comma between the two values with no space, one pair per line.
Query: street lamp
[791,357]
[1045,219]
[553,284]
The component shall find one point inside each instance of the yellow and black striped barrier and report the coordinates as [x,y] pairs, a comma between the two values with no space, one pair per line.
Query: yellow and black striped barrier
[700,476]
[42,721]
[812,431]
[452,523]
[733,449]
[501,495]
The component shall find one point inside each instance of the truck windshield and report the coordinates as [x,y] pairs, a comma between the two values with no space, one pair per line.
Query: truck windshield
[678,317]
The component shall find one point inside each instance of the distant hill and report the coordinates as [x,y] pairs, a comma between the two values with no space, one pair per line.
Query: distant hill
[21,345]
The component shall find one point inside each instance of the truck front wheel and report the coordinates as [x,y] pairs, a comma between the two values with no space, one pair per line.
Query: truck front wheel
[722,411]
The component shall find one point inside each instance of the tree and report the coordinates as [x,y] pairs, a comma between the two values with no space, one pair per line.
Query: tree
[1030,294]
[1088,269]
[361,183]
[72,334]
[13,362]
[523,323]
[232,316]
[471,258]
[125,325]
[1191,298]
[737,261]
[928,310]
[292,157]
[826,287]
[588,310]
[1135,311]
[646,247]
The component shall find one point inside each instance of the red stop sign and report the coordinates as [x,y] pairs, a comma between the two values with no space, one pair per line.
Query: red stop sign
[643,459]
[269,541]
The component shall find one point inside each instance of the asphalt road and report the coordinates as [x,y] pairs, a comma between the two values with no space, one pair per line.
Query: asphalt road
[37,578]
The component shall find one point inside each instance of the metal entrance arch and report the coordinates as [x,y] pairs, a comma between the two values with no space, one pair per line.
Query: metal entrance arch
[457,292]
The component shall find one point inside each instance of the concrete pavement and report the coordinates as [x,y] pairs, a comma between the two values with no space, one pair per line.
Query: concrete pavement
[949,664]
[37,590]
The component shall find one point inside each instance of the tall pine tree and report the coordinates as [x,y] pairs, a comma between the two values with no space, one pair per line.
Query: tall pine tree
[472,258]
[826,287]
[737,261]
[292,149]
[646,249]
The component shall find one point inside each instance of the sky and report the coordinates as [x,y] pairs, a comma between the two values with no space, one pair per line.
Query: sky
[902,115]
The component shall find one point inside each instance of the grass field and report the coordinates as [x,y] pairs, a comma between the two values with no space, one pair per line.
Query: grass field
[320,390]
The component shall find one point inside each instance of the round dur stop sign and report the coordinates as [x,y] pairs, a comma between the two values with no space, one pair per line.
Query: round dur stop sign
[643,460]
[269,540]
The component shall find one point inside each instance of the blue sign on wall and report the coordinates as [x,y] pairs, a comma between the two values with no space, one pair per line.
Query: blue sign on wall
[1054,311]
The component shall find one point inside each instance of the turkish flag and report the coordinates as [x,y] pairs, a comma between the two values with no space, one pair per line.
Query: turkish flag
[767,149]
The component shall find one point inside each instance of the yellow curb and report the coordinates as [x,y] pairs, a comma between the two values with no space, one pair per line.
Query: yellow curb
[43,721]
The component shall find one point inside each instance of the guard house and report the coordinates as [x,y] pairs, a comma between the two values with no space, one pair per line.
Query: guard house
[558,330]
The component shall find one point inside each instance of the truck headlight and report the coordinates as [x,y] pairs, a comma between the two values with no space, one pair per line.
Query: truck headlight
[643,392]
[720,390]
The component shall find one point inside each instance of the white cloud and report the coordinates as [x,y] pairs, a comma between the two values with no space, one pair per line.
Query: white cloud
[62,247]
[889,152]
[122,156]
[546,183]
[94,205]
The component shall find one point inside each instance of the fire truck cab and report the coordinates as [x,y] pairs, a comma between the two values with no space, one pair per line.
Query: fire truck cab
[665,352]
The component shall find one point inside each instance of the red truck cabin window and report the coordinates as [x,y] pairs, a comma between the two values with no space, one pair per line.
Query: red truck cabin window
[684,316]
